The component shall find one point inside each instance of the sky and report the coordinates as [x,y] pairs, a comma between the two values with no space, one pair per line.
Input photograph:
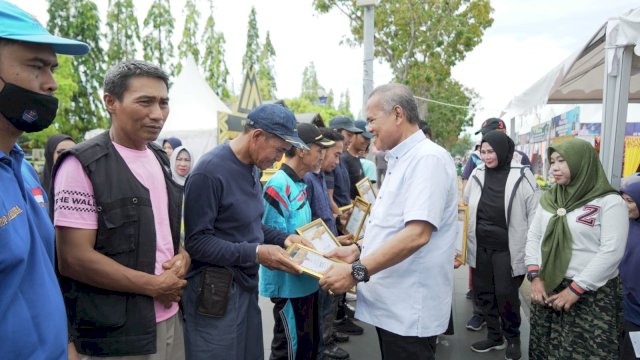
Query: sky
[527,39]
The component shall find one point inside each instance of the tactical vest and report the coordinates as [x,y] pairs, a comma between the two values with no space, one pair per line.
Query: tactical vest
[104,322]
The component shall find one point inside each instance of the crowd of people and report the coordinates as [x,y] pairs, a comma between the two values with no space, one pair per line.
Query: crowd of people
[127,249]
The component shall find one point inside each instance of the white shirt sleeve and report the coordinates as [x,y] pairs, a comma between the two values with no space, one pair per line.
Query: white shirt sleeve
[614,229]
[534,238]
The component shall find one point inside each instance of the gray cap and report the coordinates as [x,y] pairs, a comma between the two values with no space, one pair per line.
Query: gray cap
[344,123]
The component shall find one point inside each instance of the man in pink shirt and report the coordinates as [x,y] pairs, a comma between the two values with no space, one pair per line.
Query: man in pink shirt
[117,219]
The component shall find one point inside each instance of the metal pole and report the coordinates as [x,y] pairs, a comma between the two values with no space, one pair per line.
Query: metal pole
[367,76]
[615,99]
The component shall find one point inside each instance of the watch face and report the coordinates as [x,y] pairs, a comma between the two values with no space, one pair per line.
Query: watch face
[358,273]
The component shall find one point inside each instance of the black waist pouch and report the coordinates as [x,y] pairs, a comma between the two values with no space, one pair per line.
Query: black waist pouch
[213,295]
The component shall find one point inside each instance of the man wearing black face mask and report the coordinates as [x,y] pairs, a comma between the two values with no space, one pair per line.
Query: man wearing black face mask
[32,314]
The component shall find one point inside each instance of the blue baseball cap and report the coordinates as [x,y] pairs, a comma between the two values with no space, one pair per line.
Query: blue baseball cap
[278,120]
[362,125]
[17,24]
[340,122]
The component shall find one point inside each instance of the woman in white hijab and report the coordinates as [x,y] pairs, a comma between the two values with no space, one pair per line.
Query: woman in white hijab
[180,164]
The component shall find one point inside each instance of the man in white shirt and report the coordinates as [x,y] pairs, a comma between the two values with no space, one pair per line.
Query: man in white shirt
[403,272]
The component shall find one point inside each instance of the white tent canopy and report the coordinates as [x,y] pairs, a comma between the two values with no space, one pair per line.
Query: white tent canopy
[193,117]
[604,70]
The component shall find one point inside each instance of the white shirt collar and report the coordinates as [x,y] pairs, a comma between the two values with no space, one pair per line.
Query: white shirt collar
[407,144]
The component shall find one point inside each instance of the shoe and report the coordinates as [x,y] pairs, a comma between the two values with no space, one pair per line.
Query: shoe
[340,337]
[469,295]
[513,350]
[488,345]
[347,326]
[476,323]
[333,351]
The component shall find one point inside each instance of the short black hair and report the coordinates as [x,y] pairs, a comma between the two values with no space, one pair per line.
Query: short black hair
[116,81]
[331,134]
[425,128]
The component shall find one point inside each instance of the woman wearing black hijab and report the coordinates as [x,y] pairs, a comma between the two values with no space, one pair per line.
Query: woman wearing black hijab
[54,147]
[502,197]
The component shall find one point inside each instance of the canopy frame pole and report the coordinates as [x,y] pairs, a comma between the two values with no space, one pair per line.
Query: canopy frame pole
[615,100]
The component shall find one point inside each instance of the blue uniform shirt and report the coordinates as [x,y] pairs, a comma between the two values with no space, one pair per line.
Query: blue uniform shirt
[33,321]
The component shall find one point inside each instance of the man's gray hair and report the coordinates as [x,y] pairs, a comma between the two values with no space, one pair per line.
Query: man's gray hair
[395,94]
[116,81]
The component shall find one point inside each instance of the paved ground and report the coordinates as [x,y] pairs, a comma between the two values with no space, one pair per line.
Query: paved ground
[365,347]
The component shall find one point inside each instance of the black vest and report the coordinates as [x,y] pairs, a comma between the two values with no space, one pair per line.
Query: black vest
[105,322]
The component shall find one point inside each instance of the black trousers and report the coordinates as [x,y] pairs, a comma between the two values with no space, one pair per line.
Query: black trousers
[296,331]
[398,347]
[626,347]
[496,293]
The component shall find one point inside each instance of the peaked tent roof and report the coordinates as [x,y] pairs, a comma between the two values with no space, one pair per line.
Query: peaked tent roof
[580,78]
[193,104]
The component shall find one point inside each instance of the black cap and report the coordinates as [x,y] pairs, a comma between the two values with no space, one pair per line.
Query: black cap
[310,134]
[491,124]
[343,123]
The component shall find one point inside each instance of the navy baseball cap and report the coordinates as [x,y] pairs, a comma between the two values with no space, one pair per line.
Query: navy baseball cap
[17,24]
[277,120]
[362,125]
[343,123]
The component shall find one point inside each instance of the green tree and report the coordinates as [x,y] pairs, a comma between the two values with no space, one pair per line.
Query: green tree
[464,144]
[64,123]
[266,77]
[252,51]
[79,19]
[215,68]
[123,32]
[344,106]
[310,83]
[158,26]
[446,121]
[330,98]
[189,42]
[302,105]
[421,40]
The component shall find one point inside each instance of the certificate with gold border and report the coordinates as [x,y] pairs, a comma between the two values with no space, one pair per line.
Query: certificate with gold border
[357,218]
[310,261]
[461,240]
[367,191]
[319,235]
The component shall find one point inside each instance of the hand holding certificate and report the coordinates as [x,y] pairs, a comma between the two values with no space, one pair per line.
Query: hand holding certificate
[309,260]
[319,235]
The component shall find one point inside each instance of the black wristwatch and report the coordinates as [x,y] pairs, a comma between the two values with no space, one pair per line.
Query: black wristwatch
[532,275]
[359,271]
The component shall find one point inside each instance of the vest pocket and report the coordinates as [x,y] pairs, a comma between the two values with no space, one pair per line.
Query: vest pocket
[121,231]
[100,308]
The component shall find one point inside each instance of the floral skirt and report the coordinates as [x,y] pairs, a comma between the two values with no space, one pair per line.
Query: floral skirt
[591,329]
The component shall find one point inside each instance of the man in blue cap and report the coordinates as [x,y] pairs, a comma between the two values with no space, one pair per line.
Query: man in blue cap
[32,315]
[227,241]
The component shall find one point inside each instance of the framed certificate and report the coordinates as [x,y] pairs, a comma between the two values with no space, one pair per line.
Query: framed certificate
[320,236]
[357,218]
[310,261]
[461,240]
[346,207]
[367,191]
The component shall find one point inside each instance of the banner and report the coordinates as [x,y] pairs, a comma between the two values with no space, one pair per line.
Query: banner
[539,133]
[594,129]
[566,124]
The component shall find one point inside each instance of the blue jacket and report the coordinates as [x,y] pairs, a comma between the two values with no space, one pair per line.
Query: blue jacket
[286,209]
[33,321]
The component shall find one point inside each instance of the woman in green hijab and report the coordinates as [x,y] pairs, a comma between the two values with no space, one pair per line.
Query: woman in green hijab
[574,246]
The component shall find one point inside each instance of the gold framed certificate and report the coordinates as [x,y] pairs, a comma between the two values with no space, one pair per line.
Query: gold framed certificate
[320,236]
[366,190]
[346,207]
[310,261]
[357,218]
[461,240]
